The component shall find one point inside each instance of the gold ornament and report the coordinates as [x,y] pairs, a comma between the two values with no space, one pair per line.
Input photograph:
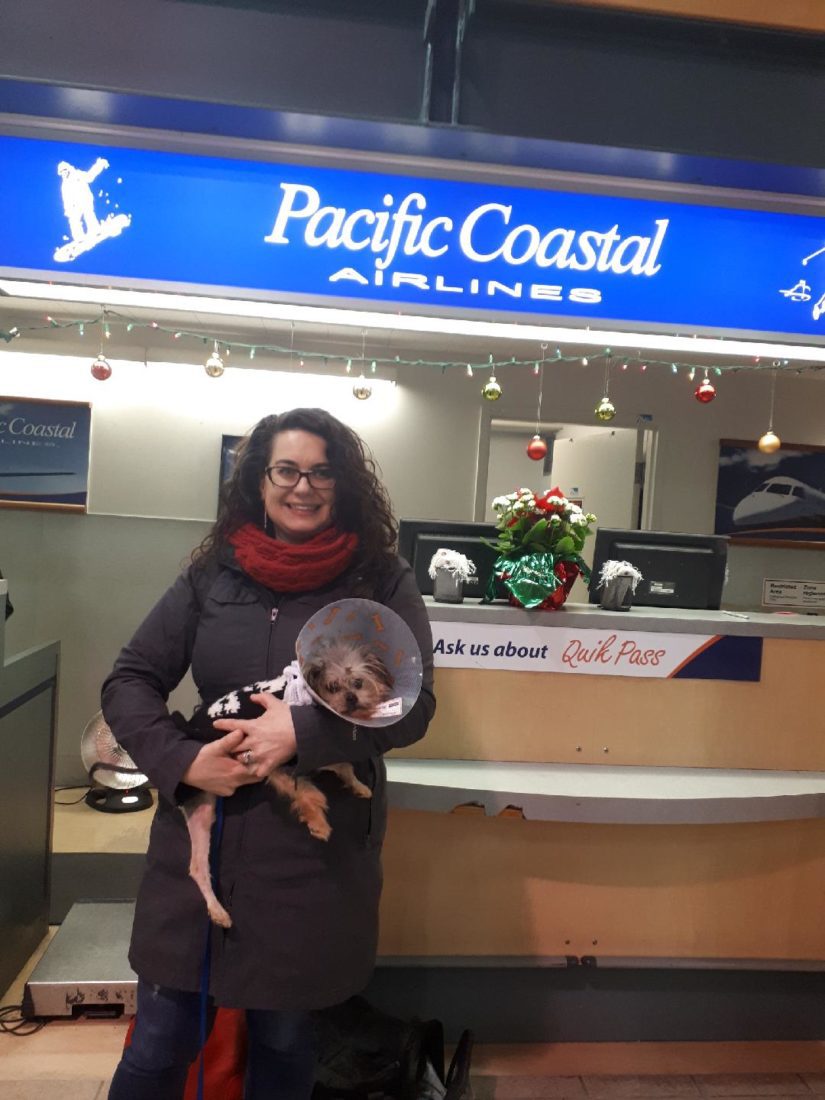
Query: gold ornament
[769,442]
[214,365]
[362,389]
[605,410]
[491,390]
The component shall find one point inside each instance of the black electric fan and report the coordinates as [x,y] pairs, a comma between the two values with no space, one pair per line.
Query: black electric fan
[117,786]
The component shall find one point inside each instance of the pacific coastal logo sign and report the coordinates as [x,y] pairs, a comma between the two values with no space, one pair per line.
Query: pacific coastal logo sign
[489,233]
[86,229]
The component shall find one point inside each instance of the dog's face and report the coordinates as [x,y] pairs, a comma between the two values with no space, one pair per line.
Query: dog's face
[350,678]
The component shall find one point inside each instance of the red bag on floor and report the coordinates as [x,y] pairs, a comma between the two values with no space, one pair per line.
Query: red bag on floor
[224,1058]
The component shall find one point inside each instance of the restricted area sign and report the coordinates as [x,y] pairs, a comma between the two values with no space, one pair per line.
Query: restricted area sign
[807,594]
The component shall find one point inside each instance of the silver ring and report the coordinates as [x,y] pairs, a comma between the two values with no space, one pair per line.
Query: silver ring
[248,758]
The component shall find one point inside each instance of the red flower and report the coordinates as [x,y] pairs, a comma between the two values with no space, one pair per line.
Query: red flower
[544,504]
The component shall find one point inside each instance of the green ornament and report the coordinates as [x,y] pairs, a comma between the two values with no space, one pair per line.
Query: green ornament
[491,391]
[605,410]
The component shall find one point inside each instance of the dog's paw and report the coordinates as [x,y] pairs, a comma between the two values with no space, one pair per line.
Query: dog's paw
[218,915]
[321,830]
[359,789]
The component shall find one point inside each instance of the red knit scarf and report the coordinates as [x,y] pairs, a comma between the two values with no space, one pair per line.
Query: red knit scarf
[293,567]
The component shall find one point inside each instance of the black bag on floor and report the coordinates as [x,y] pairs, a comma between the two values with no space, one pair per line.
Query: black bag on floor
[365,1054]
[458,1075]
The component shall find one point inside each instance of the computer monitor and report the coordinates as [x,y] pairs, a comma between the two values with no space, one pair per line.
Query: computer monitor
[418,540]
[677,570]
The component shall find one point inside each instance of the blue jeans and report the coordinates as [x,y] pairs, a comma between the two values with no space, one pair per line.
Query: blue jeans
[166,1040]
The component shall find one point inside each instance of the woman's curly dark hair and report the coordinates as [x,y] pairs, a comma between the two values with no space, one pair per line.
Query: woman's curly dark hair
[361,501]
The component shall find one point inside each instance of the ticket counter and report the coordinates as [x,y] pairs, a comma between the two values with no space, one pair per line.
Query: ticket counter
[28,693]
[630,820]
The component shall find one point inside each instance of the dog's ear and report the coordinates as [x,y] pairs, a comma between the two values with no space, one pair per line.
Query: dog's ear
[379,670]
[313,671]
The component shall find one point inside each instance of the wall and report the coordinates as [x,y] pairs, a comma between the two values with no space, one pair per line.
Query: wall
[87,580]
[592,463]
[617,78]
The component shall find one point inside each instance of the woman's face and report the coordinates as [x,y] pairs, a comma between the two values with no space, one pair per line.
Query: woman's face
[302,511]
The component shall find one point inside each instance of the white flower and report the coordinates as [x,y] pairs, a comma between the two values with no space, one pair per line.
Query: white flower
[613,569]
[500,503]
[454,562]
[555,520]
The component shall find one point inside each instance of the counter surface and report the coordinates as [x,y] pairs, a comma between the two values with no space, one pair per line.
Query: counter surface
[585,616]
[607,795]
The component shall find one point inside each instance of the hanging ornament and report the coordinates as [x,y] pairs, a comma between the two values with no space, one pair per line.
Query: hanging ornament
[770,441]
[362,389]
[705,391]
[606,410]
[491,390]
[536,448]
[214,364]
[100,368]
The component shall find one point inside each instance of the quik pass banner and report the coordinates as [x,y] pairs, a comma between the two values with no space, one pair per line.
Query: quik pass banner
[597,652]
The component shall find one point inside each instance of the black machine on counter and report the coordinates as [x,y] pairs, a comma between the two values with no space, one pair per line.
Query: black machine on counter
[418,540]
[677,570]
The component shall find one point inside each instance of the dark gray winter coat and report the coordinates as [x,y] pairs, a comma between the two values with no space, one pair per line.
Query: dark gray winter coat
[305,912]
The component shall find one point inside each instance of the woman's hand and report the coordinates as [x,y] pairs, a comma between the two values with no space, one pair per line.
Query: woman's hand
[269,739]
[215,769]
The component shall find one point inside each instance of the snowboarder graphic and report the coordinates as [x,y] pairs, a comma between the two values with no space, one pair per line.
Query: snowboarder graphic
[801,291]
[85,227]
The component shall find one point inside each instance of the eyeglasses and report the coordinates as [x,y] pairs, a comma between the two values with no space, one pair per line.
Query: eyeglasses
[288,477]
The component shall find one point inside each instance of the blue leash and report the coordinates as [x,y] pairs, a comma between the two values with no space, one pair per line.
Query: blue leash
[214,850]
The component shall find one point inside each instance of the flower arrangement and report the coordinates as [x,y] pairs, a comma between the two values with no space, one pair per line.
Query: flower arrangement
[540,539]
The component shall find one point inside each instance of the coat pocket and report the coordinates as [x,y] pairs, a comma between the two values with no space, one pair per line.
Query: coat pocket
[229,588]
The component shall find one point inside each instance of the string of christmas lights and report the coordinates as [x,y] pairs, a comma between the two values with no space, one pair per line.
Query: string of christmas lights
[491,390]
[220,343]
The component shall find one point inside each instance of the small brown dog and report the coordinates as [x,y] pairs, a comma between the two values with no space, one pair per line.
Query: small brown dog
[353,681]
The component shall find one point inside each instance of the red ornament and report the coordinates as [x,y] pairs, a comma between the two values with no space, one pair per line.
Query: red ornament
[536,448]
[705,392]
[101,369]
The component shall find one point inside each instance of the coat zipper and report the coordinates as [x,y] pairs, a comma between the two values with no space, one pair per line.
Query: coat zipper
[274,611]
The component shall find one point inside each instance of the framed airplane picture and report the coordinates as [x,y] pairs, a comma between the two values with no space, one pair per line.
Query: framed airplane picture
[229,451]
[771,499]
[44,454]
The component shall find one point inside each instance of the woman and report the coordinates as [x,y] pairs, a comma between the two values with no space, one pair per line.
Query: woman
[303,521]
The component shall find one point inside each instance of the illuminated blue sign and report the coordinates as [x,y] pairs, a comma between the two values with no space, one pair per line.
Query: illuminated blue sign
[132,217]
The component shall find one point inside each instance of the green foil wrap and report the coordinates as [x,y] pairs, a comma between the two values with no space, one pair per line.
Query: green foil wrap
[531,577]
